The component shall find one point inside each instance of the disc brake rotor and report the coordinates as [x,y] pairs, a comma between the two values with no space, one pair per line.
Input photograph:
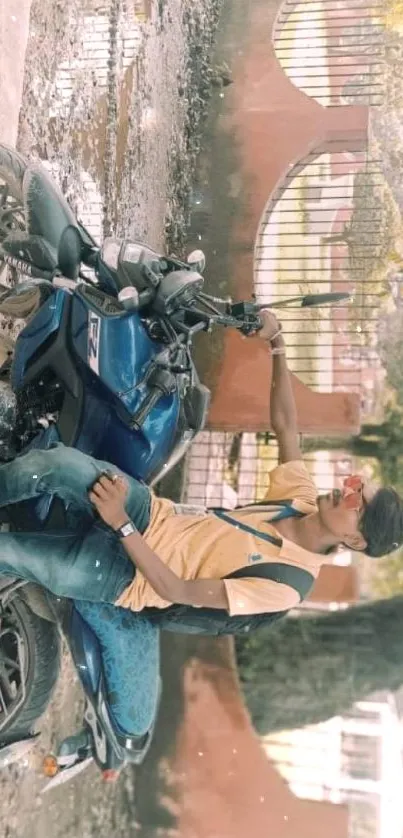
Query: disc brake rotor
[12,666]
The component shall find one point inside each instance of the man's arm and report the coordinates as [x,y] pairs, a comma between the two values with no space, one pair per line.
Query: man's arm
[108,496]
[283,412]
[198,592]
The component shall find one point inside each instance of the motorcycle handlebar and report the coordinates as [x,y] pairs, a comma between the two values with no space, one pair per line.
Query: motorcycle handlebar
[243,316]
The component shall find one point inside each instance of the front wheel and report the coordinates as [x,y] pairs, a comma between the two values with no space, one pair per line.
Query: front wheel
[29,667]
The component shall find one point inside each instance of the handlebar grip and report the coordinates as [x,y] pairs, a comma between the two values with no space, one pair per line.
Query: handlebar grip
[141,414]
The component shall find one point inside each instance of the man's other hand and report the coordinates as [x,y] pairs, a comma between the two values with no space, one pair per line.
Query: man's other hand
[109,495]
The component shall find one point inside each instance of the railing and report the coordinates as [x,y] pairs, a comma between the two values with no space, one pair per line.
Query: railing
[330,226]
[233,469]
[333,50]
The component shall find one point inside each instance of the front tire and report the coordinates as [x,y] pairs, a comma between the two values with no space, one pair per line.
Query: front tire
[29,667]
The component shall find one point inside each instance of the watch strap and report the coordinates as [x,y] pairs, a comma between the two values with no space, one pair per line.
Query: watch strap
[126,529]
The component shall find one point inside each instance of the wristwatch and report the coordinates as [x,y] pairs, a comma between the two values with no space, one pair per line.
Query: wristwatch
[126,529]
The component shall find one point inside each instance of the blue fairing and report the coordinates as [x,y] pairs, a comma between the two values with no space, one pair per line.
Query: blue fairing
[39,329]
[112,355]
[122,355]
[123,350]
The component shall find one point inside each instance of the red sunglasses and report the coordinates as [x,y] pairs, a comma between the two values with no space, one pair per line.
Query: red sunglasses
[353,492]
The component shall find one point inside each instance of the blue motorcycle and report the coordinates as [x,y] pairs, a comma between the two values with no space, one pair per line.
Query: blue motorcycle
[105,365]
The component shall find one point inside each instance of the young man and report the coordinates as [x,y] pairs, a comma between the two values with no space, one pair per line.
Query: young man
[142,551]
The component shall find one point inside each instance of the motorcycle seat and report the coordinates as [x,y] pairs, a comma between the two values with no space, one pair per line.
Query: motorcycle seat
[47,211]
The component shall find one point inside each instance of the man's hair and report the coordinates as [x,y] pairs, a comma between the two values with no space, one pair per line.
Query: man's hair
[382,523]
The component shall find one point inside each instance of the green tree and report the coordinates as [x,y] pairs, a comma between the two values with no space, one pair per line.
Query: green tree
[393,11]
[390,349]
[374,226]
[387,579]
[371,236]
[311,668]
[386,119]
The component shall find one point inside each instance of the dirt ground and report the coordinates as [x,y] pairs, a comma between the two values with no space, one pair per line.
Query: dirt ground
[114,107]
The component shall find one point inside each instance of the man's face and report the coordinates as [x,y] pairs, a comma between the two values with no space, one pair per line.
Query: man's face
[341,511]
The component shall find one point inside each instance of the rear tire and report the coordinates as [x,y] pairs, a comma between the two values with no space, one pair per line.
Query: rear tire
[41,654]
[13,167]
[12,216]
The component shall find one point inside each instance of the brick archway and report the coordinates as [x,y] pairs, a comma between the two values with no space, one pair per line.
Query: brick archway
[263,127]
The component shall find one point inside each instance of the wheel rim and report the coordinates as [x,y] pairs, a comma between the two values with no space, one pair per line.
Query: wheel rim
[13,665]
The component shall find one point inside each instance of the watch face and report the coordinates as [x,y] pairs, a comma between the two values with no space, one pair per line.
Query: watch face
[127,529]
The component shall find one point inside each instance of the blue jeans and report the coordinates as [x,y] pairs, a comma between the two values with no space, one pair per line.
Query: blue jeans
[130,649]
[87,563]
